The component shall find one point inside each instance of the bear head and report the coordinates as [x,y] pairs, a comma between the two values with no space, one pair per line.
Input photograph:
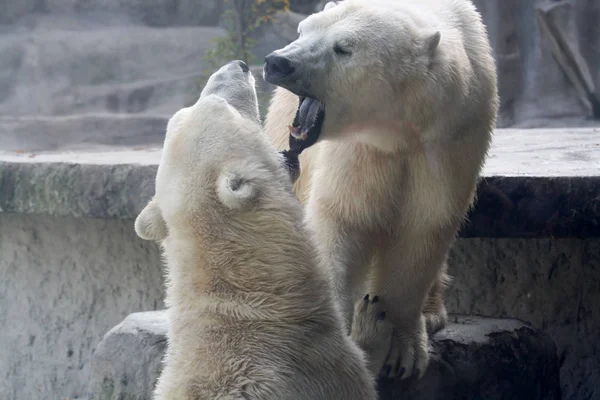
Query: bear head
[216,161]
[361,59]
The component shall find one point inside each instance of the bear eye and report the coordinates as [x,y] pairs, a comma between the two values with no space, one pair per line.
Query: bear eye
[339,50]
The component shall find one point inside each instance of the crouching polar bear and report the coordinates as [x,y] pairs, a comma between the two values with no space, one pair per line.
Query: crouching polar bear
[407,102]
[251,314]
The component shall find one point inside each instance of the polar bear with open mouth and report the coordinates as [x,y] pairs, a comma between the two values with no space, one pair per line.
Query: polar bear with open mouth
[402,97]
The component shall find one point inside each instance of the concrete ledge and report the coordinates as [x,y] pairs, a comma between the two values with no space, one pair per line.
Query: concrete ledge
[537,183]
[129,358]
[473,358]
[107,185]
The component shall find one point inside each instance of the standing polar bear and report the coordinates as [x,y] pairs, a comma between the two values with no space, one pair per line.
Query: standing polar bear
[251,314]
[407,99]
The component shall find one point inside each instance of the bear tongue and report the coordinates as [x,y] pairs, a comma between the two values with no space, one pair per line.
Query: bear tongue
[307,113]
[306,127]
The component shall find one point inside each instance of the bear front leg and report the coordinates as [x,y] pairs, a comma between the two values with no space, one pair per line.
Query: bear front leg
[403,277]
[344,255]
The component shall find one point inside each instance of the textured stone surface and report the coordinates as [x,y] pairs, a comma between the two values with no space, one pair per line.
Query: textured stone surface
[97,190]
[54,269]
[64,283]
[149,12]
[277,34]
[102,68]
[530,207]
[67,133]
[128,360]
[536,184]
[552,283]
[476,358]
[472,358]
[70,280]
[91,74]
[533,88]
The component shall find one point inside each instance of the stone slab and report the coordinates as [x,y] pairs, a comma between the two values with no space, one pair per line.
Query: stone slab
[128,360]
[473,358]
[64,283]
[551,283]
[536,183]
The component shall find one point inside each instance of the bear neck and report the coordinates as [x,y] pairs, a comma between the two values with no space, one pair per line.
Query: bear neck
[247,270]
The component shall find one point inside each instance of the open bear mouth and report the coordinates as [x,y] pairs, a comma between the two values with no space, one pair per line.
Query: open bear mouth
[306,128]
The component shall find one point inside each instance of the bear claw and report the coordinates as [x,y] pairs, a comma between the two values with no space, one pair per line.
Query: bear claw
[372,332]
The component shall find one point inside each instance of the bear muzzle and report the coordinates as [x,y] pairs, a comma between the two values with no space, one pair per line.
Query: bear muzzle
[278,69]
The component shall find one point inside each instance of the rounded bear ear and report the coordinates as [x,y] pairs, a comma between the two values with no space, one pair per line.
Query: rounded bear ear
[235,187]
[329,5]
[431,40]
[149,224]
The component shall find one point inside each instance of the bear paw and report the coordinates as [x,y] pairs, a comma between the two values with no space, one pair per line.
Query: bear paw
[436,321]
[372,332]
[408,354]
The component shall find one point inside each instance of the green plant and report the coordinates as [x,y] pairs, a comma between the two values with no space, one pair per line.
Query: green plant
[241,19]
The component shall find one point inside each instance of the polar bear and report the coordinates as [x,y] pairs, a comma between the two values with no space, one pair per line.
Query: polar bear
[251,313]
[407,98]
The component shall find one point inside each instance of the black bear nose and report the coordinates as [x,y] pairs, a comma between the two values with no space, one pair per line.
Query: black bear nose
[278,66]
[240,64]
[243,66]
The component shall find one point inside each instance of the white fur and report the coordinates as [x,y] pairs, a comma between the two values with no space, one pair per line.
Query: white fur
[409,120]
[251,314]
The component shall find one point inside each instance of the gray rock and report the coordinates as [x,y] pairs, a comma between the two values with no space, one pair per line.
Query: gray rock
[160,12]
[277,34]
[533,89]
[12,10]
[104,183]
[77,132]
[473,358]
[70,85]
[551,283]
[479,358]
[304,6]
[128,360]
[65,283]
[149,12]
[117,69]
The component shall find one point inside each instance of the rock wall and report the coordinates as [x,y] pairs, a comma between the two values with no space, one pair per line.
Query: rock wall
[70,280]
[149,12]
[533,89]
[143,57]
[65,282]
[551,283]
